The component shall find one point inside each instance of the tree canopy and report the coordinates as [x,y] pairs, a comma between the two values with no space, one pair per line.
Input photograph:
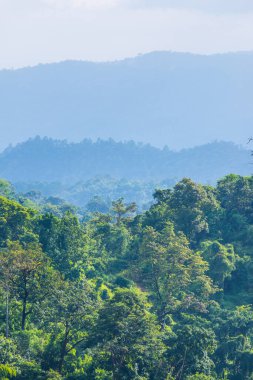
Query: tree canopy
[165,294]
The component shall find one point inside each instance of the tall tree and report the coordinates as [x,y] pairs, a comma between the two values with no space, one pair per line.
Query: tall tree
[172,271]
[27,276]
[128,339]
[73,309]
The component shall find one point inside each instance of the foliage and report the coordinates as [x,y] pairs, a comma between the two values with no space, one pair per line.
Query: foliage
[161,295]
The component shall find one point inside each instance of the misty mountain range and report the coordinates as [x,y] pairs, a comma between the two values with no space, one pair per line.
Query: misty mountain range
[47,160]
[175,99]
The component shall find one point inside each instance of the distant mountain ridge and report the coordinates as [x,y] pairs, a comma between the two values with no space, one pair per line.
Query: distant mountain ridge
[47,160]
[181,100]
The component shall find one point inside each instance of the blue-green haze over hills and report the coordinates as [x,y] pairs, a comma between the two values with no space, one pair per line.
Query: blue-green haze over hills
[175,99]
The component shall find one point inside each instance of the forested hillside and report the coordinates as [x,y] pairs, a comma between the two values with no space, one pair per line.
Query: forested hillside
[177,99]
[92,195]
[162,295]
[46,160]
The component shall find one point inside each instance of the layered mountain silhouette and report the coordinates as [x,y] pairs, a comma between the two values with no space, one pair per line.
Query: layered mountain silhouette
[162,98]
[47,160]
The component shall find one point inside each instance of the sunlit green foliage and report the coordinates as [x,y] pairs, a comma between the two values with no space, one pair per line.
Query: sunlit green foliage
[162,295]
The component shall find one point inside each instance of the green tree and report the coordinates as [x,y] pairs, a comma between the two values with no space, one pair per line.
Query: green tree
[15,222]
[122,210]
[73,309]
[26,276]
[129,341]
[172,271]
[192,349]
[62,239]
[194,208]
[221,259]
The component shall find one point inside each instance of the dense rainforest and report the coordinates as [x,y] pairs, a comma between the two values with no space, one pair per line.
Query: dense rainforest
[165,294]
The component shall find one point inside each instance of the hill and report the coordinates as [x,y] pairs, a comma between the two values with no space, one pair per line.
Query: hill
[177,99]
[47,160]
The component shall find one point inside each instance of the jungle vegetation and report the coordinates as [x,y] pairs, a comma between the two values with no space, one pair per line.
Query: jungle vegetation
[165,294]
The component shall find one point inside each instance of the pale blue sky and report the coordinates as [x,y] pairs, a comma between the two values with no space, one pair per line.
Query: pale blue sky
[39,31]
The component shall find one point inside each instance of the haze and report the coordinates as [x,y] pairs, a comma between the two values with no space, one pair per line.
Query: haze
[40,31]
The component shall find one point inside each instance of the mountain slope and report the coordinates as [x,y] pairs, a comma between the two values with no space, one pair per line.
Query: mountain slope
[177,99]
[47,160]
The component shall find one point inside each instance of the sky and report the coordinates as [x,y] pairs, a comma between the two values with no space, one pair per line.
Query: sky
[41,31]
